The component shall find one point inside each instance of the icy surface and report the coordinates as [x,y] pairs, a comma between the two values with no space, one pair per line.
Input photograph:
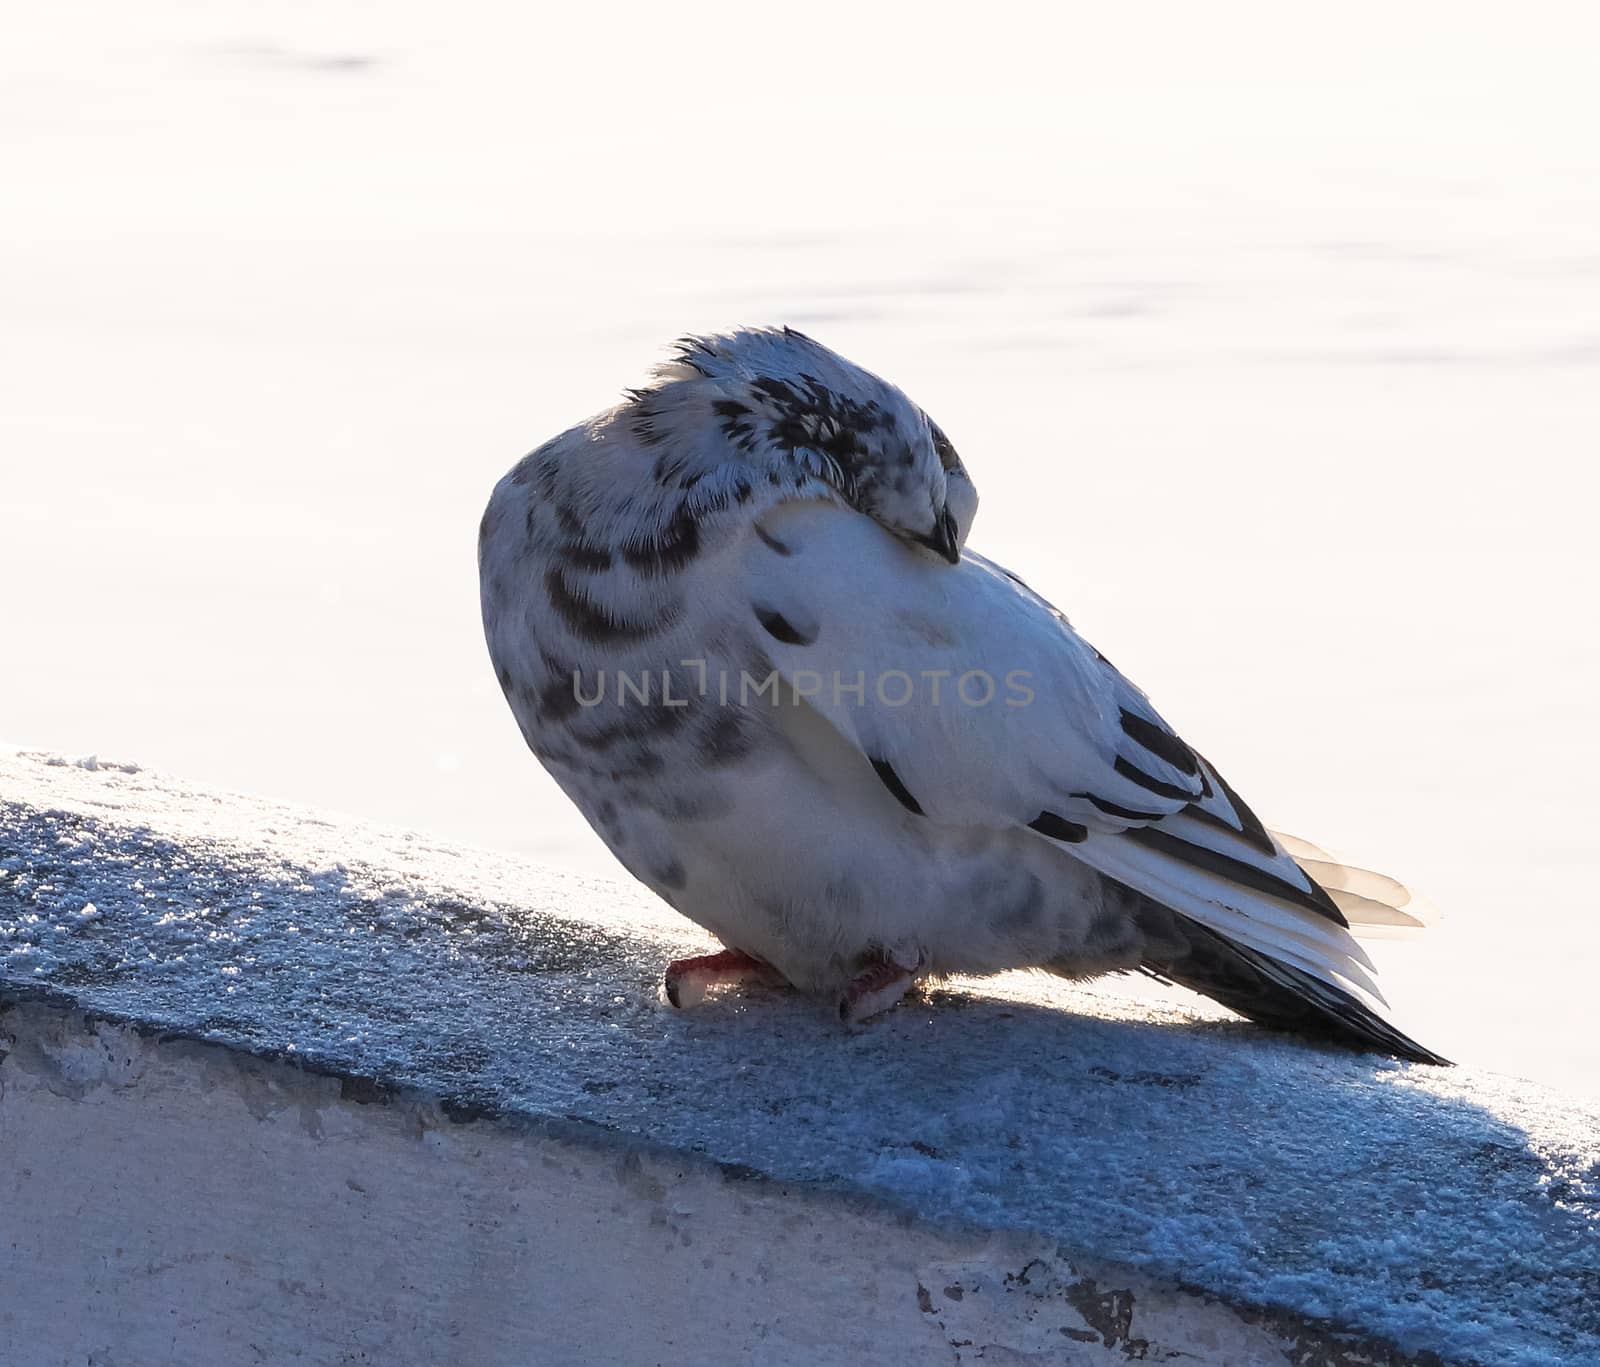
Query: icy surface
[1442,1210]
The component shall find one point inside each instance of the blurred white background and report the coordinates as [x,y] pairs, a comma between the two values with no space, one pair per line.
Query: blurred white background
[1271,336]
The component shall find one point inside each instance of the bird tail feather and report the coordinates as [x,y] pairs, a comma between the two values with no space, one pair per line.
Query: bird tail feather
[1261,988]
[1376,906]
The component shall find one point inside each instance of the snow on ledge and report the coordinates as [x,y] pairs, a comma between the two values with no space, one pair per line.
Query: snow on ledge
[167,952]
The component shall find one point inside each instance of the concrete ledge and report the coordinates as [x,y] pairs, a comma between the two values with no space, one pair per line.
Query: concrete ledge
[223,1208]
[278,1089]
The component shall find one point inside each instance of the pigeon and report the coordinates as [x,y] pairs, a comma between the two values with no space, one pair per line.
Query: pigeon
[736,618]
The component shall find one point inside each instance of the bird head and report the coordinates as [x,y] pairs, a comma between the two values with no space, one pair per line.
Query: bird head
[805,418]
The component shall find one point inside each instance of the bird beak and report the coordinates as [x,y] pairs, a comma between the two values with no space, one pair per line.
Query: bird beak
[944,538]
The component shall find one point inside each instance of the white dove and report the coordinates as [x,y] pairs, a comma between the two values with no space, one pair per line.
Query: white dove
[734,618]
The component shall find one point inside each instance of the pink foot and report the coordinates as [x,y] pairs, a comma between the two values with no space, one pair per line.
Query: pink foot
[687,979]
[875,990]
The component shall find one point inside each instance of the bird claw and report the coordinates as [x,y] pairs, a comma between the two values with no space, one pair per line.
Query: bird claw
[686,980]
[876,990]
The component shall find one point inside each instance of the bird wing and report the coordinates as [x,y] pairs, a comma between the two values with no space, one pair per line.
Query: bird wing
[977,704]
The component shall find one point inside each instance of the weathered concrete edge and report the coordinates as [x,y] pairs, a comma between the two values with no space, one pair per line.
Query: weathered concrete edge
[953,1291]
